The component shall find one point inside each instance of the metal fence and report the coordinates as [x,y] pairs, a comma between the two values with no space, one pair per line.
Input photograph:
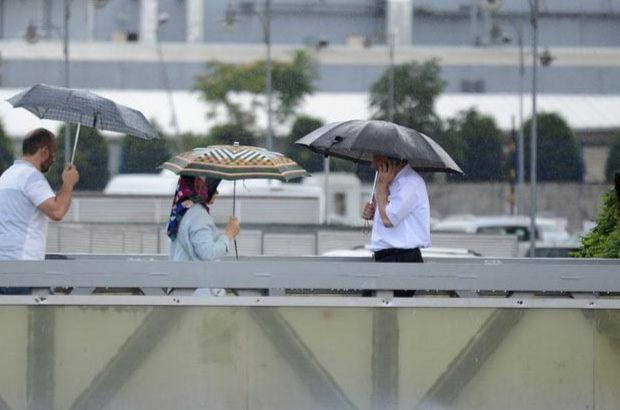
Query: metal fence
[276,240]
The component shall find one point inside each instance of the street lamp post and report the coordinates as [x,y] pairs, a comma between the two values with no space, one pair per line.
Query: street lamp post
[174,122]
[391,109]
[534,142]
[65,49]
[520,139]
[265,20]
[32,36]
[268,85]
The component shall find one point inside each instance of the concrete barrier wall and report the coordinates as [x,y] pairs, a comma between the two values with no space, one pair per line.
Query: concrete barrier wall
[234,357]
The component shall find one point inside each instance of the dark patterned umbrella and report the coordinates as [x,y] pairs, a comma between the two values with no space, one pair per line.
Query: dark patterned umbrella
[83,108]
[359,140]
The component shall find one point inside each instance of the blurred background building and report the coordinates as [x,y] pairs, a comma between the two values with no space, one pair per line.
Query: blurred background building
[148,54]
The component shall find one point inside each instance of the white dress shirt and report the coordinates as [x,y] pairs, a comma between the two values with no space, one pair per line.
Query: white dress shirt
[409,211]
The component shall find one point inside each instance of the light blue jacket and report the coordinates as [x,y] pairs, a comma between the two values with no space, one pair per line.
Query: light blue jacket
[198,239]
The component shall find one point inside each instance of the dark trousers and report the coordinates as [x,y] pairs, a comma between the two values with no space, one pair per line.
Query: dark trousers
[399,255]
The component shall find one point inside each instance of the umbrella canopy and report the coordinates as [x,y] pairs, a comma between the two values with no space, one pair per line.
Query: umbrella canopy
[83,107]
[359,140]
[233,162]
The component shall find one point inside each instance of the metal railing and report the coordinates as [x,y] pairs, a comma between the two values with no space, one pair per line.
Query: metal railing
[590,283]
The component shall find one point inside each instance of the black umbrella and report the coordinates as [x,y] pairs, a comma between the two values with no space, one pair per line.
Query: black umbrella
[83,108]
[359,140]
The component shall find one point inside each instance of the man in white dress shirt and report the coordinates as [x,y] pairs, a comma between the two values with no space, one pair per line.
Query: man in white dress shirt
[400,212]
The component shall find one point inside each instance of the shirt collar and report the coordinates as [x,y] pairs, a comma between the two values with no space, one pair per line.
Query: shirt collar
[23,162]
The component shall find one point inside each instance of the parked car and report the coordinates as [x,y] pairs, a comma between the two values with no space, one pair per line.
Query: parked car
[549,231]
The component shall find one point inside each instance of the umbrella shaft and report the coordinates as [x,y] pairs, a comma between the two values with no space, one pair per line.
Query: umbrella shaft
[77,135]
[234,197]
[374,186]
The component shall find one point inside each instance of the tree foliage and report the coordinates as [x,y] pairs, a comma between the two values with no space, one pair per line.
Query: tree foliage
[558,154]
[228,134]
[613,160]
[189,141]
[6,150]
[302,126]
[91,159]
[291,82]
[476,143]
[604,240]
[416,87]
[140,156]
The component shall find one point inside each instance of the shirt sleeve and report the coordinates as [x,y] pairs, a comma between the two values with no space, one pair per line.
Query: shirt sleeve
[401,203]
[208,243]
[37,189]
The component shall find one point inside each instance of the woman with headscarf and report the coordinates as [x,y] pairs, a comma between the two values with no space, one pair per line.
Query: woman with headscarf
[192,231]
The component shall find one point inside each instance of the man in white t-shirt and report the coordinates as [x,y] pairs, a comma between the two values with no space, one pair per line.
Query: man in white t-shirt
[27,201]
[400,212]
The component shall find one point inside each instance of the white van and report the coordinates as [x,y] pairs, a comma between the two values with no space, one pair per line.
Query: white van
[549,231]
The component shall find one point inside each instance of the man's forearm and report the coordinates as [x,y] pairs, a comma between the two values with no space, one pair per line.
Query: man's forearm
[382,202]
[63,199]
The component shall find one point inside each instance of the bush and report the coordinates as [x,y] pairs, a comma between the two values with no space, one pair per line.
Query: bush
[475,142]
[604,240]
[6,150]
[140,156]
[228,134]
[613,160]
[558,154]
[190,141]
[91,159]
[311,161]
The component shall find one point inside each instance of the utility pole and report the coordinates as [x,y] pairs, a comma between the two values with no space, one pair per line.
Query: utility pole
[534,142]
[65,49]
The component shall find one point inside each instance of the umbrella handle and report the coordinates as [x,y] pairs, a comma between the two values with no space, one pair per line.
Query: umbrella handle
[374,186]
[234,209]
[77,136]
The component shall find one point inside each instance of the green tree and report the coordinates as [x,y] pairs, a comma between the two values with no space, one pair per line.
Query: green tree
[613,160]
[558,154]
[189,141]
[291,82]
[311,161]
[6,150]
[228,134]
[91,159]
[140,156]
[604,240]
[416,87]
[475,142]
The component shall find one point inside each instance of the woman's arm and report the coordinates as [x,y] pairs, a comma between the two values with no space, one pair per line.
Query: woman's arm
[208,243]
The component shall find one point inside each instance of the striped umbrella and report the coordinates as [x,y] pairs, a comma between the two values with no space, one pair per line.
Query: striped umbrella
[234,162]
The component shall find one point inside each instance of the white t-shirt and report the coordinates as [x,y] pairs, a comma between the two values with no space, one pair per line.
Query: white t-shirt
[23,227]
[409,211]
